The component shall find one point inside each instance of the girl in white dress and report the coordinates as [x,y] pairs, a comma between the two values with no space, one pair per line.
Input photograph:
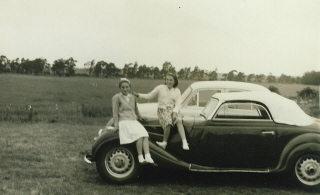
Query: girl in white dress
[125,115]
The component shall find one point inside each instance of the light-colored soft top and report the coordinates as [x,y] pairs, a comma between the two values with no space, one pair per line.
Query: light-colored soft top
[229,85]
[282,109]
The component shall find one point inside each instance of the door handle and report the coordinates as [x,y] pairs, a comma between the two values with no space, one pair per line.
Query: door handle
[264,132]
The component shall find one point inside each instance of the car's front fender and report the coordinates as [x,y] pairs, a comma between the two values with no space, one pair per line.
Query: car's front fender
[160,156]
[102,140]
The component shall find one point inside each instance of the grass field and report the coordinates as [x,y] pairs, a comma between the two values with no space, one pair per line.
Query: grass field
[64,99]
[44,155]
[46,158]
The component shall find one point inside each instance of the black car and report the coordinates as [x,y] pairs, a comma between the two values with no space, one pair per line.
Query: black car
[260,132]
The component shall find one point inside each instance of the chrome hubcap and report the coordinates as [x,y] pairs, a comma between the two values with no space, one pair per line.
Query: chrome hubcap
[308,170]
[119,162]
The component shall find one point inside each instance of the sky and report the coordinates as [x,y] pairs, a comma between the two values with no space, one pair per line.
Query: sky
[260,37]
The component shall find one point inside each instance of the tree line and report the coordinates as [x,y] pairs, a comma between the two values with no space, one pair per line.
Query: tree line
[66,67]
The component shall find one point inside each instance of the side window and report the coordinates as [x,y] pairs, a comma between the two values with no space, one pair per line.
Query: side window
[242,110]
[201,98]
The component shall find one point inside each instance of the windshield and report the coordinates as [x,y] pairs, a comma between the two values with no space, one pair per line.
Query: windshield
[210,106]
[185,94]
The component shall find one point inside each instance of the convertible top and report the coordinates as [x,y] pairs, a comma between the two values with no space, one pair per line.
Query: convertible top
[282,109]
[229,84]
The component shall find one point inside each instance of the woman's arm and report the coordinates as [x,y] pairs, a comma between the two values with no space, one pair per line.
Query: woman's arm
[151,95]
[115,111]
[178,102]
[136,109]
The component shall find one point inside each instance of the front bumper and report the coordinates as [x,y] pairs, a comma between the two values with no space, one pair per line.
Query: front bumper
[88,158]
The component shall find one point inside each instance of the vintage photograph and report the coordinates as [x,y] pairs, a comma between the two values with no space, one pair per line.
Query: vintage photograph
[163,97]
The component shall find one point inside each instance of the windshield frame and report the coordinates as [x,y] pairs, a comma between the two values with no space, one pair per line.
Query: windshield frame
[209,104]
[185,95]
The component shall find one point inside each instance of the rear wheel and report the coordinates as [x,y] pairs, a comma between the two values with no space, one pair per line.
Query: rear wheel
[307,171]
[117,164]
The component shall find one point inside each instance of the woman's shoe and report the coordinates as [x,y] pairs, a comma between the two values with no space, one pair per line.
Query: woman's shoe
[163,145]
[141,159]
[149,159]
[185,145]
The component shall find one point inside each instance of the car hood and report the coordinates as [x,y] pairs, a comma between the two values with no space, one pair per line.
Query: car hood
[149,110]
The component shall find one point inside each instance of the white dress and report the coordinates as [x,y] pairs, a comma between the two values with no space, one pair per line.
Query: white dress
[130,130]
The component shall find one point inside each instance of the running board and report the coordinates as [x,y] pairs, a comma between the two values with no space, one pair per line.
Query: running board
[200,168]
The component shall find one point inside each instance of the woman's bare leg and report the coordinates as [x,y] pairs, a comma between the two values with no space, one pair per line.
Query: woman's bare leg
[139,150]
[166,133]
[146,150]
[182,135]
[145,144]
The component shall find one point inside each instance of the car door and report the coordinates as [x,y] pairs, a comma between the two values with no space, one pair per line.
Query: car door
[240,135]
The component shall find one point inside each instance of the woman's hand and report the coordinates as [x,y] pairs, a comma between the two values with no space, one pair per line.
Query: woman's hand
[135,94]
[174,117]
[142,118]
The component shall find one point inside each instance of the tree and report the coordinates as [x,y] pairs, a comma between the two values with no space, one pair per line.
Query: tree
[90,65]
[156,73]
[241,77]
[231,76]
[308,93]
[224,77]
[3,63]
[195,74]
[126,69]
[38,65]
[167,67]
[251,78]
[182,73]
[142,71]
[59,67]
[14,65]
[311,78]
[286,79]
[98,68]
[271,79]
[111,70]
[213,76]
[260,78]
[70,64]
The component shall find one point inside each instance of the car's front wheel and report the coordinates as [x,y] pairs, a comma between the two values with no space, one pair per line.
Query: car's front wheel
[307,171]
[117,164]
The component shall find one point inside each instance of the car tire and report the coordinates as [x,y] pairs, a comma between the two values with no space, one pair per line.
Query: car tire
[118,164]
[306,171]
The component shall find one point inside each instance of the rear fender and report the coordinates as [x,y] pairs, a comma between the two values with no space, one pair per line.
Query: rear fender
[303,144]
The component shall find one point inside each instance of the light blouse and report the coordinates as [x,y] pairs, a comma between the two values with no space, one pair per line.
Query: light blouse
[124,108]
[166,97]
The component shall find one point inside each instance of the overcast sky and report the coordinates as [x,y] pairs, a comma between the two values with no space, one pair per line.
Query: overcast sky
[250,36]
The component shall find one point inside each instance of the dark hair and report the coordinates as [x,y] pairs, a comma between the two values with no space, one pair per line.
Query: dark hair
[124,81]
[175,78]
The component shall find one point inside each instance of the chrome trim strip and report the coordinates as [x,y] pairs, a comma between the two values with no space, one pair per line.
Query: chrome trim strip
[268,132]
[227,119]
[233,171]
[217,170]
